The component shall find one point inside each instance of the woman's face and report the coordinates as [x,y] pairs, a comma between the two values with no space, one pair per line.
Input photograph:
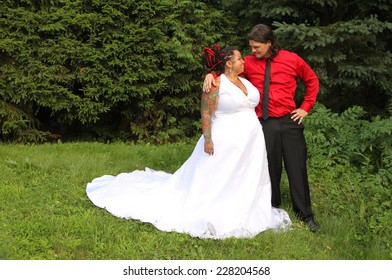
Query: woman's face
[237,62]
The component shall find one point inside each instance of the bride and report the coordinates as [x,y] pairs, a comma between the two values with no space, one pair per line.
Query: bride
[223,189]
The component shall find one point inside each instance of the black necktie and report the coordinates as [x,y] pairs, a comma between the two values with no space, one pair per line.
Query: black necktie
[266,89]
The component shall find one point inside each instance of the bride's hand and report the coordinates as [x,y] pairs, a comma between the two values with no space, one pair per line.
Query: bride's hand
[209,147]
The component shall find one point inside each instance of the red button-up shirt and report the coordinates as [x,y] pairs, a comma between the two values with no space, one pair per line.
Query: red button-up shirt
[286,67]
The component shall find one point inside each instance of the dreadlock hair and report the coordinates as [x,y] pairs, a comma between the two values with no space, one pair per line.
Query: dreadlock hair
[263,34]
[215,58]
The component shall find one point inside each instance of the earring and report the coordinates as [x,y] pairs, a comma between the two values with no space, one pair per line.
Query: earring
[231,70]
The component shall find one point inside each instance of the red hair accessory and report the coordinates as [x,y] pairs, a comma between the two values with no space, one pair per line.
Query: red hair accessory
[211,57]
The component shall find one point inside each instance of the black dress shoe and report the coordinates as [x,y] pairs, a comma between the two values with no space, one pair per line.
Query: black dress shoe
[312,224]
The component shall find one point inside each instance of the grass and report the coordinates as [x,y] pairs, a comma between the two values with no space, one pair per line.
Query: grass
[46,215]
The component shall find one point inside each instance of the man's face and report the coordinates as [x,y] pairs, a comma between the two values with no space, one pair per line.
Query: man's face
[261,50]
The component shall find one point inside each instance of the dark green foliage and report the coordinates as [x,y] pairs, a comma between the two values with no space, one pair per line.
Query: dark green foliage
[354,157]
[352,60]
[104,66]
[131,69]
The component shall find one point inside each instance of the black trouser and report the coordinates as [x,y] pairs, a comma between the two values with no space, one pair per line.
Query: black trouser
[285,140]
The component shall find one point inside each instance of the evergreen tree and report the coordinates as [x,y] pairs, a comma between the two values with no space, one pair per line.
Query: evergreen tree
[101,66]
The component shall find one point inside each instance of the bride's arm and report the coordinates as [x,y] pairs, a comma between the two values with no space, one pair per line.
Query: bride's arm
[209,103]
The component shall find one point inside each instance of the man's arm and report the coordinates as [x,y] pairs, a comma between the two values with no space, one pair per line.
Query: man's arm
[311,83]
[209,81]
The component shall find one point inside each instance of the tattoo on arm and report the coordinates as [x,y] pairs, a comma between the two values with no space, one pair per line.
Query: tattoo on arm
[209,103]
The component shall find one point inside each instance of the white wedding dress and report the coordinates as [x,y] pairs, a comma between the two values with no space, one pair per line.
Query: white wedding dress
[224,195]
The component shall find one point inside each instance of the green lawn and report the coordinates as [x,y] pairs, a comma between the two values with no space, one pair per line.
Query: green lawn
[46,215]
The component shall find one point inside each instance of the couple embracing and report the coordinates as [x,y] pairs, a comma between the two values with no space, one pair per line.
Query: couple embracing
[230,185]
